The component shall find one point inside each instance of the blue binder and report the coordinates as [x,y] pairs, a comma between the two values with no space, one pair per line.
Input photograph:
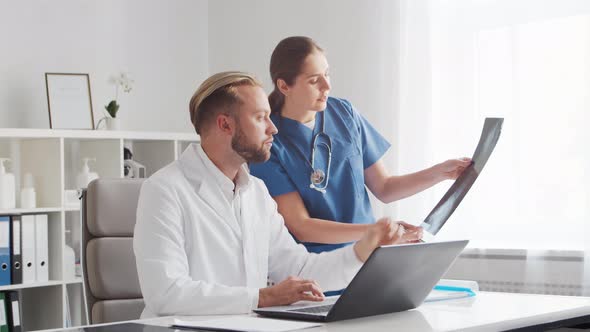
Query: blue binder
[4,250]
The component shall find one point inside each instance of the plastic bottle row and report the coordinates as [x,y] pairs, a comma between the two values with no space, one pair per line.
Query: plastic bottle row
[8,189]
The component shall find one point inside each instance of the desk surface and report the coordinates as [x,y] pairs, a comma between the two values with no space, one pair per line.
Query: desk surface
[484,312]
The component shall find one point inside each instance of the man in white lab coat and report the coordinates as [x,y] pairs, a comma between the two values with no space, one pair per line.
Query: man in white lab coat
[208,234]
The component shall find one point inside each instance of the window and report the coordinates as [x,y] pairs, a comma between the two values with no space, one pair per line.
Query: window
[526,61]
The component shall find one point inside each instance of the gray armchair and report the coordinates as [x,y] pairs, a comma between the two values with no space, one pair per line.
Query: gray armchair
[110,273]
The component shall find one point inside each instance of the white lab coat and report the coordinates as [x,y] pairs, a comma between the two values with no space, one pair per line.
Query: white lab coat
[195,258]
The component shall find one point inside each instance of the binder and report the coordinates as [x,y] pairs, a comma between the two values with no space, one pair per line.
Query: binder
[16,274]
[3,316]
[41,248]
[13,311]
[29,266]
[4,250]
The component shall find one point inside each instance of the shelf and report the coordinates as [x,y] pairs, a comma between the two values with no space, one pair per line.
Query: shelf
[96,134]
[77,280]
[54,159]
[25,211]
[32,285]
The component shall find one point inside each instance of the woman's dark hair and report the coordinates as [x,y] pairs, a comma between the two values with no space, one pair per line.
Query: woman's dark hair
[285,63]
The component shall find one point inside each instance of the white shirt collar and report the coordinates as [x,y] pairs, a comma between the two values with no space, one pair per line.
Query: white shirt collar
[226,185]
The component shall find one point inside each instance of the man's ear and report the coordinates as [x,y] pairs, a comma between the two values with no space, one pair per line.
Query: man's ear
[283,86]
[225,123]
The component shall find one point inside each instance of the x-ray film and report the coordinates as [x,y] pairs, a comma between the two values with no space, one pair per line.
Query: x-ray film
[447,205]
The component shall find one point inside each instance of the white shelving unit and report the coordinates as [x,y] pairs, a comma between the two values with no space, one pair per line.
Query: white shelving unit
[54,158]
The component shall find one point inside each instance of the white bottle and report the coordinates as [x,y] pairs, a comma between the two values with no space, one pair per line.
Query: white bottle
[86,176]
[28,197]
[7,189]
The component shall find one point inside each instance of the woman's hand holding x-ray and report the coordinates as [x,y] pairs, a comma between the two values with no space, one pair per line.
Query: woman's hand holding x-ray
[452,168]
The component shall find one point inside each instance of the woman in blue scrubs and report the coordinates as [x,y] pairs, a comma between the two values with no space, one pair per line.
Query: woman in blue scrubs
[326,155]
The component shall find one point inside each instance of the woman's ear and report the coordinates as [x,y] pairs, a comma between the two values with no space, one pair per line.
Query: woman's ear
[283,86]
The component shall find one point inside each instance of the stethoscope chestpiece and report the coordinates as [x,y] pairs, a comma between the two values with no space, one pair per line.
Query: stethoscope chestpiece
[317,177]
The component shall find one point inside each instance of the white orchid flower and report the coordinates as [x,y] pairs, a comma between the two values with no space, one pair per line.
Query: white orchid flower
[122,80]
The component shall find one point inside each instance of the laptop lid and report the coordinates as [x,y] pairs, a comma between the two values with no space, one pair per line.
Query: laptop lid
[394,278]
[450,201]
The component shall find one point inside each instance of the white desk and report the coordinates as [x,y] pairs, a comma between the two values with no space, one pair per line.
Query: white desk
[484,312]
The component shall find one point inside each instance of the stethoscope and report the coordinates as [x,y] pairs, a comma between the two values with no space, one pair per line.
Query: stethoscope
[318,176]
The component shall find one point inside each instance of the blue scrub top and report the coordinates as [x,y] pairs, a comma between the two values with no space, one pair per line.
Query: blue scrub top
[356,145]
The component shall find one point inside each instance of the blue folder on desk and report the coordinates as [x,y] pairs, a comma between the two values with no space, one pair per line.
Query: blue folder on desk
[442,292]
[4,250]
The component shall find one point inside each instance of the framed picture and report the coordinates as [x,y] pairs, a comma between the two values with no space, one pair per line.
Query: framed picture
[69,101]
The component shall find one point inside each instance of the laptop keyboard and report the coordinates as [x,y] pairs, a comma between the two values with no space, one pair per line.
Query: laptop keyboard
[322,309]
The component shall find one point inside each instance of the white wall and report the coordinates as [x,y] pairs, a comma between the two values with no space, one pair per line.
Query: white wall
[169,47]
[163,45]
[359,37]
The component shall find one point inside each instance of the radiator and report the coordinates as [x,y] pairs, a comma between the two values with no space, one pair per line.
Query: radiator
[519,271]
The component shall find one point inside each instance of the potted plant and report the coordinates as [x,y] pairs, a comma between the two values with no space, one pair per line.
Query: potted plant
[125,82]
[112,108]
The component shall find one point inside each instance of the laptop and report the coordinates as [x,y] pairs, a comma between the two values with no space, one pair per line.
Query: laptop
[394,278]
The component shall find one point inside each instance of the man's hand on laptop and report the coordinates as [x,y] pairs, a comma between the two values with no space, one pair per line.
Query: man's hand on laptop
[289,291]
[385,232]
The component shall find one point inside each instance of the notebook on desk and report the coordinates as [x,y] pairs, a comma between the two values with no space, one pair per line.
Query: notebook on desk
[394,278]
[126,327]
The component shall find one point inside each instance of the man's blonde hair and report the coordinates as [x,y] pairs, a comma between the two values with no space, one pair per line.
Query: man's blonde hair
[216,95]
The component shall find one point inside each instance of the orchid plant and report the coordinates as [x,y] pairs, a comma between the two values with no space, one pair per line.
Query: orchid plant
[123,81]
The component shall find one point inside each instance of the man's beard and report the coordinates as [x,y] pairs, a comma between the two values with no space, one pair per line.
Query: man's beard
[250,152]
